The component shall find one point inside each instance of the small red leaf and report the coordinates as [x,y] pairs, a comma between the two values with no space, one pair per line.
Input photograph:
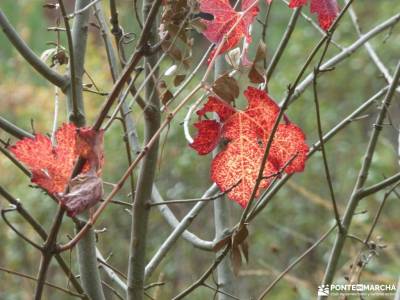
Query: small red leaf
[227,20]
[327,10]
[297,3]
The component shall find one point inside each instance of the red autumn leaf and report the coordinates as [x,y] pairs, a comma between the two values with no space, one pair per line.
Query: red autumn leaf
[223,109]
[327,10]
[52,165]
[227,20]
[247,133]
[209,134]
[209,131]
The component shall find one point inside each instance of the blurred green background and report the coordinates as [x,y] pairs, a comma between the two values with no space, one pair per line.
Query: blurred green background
[297,216]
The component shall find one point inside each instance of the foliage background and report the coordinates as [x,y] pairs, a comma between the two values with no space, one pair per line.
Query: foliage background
[296,217]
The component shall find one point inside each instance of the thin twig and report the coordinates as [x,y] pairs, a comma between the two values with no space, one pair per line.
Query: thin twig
[322,146]
[348,51]
[42,233]
[379,186]
[219,195]
[82,10]
[203,277]
[291,90]
[371,51]
[265,26]
[22,236]
[283,43]
[180,229]
[45,283]
[361,179]
[378,213]
[294,263]
[327,137]
[44,70]
[75,108]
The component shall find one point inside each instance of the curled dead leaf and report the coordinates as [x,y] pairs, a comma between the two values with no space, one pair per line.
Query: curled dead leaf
[85,190]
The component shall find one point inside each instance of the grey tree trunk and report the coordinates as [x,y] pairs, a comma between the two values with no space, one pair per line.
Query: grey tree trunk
[140,209]
[225,277]
[86,248]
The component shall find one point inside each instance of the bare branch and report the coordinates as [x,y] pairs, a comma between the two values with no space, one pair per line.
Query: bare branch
[295,263]
[348,51]
[362,177]
[179,229]
[370,50]
[327,137]
[283,43]
[22,236]
[42,233]
[187,220]
[206,274]
[45,283]
[13,129]
[140,211]
[379,186]
[55,78]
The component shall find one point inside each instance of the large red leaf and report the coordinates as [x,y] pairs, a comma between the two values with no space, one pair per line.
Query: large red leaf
[247,133]
[227,20]
[52,166]
[327,10]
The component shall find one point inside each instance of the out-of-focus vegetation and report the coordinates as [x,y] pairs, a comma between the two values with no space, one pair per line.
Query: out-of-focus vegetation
[295,218]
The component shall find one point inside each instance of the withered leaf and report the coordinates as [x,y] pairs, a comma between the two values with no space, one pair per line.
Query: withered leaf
[166,96]
[172,51]
[222,243]
[236,258]
[239,245]
[245,249]
[198,25]
[85,190]
[239,236]
[255,76]
[233,58]
[256,73]
[163,93]
[179,79]
[226,88]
